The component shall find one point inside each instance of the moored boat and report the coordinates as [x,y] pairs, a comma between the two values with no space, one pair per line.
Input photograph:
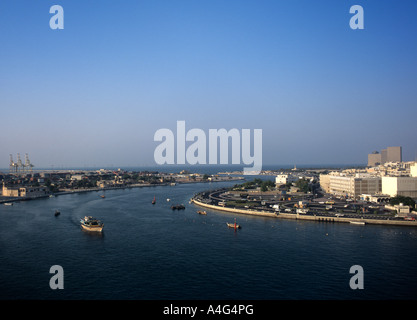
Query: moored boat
[91,224]
[154,200]
[358,222]
[57,213]
[233,225]
[201,212]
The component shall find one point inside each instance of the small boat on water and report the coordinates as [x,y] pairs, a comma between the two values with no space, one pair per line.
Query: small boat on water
[201,212]
[154,200]
[57,213]
[91,224]
[233,225]
[358,222]
[168,199]
[8,203]
[178,207]
[103,196]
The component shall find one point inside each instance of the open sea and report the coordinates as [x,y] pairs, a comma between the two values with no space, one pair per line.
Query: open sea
[151,252]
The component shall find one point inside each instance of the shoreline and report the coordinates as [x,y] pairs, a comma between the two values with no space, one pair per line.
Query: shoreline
[131,186]
[315,218]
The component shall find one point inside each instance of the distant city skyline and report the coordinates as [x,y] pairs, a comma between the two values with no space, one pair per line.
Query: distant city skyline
[94,93]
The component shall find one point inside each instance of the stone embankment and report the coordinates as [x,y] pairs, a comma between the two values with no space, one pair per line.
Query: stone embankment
[306,217]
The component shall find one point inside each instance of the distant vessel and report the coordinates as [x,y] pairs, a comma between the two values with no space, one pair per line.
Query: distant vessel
[103,196]
[201,212]
[57,213]
[168,199]
[8,203]
[154,200]
[178,207]
[91,224]
[233,225]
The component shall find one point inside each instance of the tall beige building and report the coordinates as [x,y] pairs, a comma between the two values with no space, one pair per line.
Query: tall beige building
[374,159]
[394,154]
[390,154]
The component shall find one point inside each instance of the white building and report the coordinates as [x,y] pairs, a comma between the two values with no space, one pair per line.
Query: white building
[284,178]
[413,170]
[77,177]
[402,186]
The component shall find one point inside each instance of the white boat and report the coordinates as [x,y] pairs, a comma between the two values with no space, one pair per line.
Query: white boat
[358,222]
[91,224]
[8,203]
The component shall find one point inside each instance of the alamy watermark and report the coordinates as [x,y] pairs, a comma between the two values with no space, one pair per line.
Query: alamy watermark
[357,280]
[57,280]
[216,148]
[56,22]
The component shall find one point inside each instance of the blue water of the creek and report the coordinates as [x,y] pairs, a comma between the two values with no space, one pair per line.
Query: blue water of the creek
[152,252]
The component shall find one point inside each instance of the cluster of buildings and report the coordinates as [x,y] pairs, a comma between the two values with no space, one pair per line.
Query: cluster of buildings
[39,184]
[390,154]
[45,183]
[386,176]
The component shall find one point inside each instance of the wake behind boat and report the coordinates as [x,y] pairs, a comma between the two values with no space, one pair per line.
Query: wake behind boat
[91,224]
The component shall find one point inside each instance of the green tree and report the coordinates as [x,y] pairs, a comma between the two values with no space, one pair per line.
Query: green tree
[302,185]
[407,201]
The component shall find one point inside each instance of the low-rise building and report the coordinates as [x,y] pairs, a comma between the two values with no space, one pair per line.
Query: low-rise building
[77,177]
[284,179]
[350,185]
[399,208]
[401,186]
[375,198]
[24,191]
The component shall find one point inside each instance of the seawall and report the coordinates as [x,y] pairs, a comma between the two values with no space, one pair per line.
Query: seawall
[307,217]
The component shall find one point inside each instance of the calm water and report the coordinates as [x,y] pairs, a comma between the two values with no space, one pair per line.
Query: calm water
[151,252]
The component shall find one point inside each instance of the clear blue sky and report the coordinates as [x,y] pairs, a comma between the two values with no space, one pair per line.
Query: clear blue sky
[96,92]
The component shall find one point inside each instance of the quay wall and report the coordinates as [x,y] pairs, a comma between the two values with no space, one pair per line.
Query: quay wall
[241,211]
[306,217]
